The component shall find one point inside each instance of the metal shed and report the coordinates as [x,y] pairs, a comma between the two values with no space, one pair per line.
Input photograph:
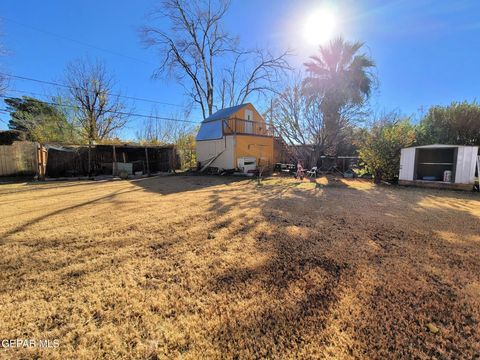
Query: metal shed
[437,165]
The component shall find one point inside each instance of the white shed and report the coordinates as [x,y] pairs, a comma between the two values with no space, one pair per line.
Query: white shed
[448,166]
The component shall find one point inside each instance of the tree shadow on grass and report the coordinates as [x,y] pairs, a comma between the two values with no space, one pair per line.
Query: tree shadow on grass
[272,279]
[296,286]
[35,251]
[283,322]
[167,185]
[49,185]
[309,266]
[36,220]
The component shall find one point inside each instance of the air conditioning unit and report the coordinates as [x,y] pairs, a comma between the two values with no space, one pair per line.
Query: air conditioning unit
[247,164]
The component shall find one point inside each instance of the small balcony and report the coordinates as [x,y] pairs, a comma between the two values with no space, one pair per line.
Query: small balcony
[245,127]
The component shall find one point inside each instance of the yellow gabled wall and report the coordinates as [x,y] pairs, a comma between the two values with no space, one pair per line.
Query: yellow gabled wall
[240,114]
[239,126]
[260,147]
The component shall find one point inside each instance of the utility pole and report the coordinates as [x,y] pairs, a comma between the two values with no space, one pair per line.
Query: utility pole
[271,117]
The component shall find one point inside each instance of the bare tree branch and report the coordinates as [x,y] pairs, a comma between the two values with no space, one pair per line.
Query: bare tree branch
[157,130]
[298,121]
[3,79]
[90,88]
[205,59]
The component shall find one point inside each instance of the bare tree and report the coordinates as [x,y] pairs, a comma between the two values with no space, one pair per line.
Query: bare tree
[297,120]
[99,111]
[3,83]
[201,55]
[158,130]
[300,123]
[153,132]
[252,72]
[3,78]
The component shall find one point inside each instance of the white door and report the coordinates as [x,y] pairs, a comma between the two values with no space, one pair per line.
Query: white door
[248,123]
[407,164]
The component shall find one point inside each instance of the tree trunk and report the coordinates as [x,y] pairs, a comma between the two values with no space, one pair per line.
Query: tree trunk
[331,117]
[210,101]
[315,155]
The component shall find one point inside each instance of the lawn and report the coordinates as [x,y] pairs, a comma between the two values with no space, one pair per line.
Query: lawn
[213,267]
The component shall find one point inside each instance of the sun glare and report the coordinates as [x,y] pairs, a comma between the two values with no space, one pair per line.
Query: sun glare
[320,27]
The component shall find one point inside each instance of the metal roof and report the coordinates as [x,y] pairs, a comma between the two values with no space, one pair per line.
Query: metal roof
[437,146]
[210,130]
[224,113]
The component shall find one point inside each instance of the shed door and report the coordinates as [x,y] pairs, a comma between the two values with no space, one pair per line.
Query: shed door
[248,115]
[465,170]
[407,164]
[249,123]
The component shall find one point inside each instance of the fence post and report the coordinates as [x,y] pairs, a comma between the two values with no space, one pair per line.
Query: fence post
[37,163]
[89,158]
[148,164]
[42,162]
[114,167]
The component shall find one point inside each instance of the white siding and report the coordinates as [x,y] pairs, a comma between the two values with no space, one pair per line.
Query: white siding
[407,164]
[466,162]
[210,148]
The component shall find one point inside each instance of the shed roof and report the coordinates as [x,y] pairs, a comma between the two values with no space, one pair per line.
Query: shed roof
[438,146]
[224,113]
[211,130]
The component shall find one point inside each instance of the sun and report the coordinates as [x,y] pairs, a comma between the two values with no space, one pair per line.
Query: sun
[320,27]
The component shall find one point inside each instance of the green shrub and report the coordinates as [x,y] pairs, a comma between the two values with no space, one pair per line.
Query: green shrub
[380,147]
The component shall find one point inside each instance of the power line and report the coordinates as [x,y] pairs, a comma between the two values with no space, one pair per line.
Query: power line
[70,87]
[79,42]
[4,111]
[74,107]
[120,112]
[26,92]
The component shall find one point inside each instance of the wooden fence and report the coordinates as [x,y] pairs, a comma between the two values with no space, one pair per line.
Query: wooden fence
[24,158]
[18,159]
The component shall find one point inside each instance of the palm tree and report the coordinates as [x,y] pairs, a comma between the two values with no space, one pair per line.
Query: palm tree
[342,79]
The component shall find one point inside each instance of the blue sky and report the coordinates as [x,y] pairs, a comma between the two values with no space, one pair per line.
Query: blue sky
[427,52]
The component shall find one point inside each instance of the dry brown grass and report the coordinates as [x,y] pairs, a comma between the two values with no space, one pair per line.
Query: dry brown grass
[209,267]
